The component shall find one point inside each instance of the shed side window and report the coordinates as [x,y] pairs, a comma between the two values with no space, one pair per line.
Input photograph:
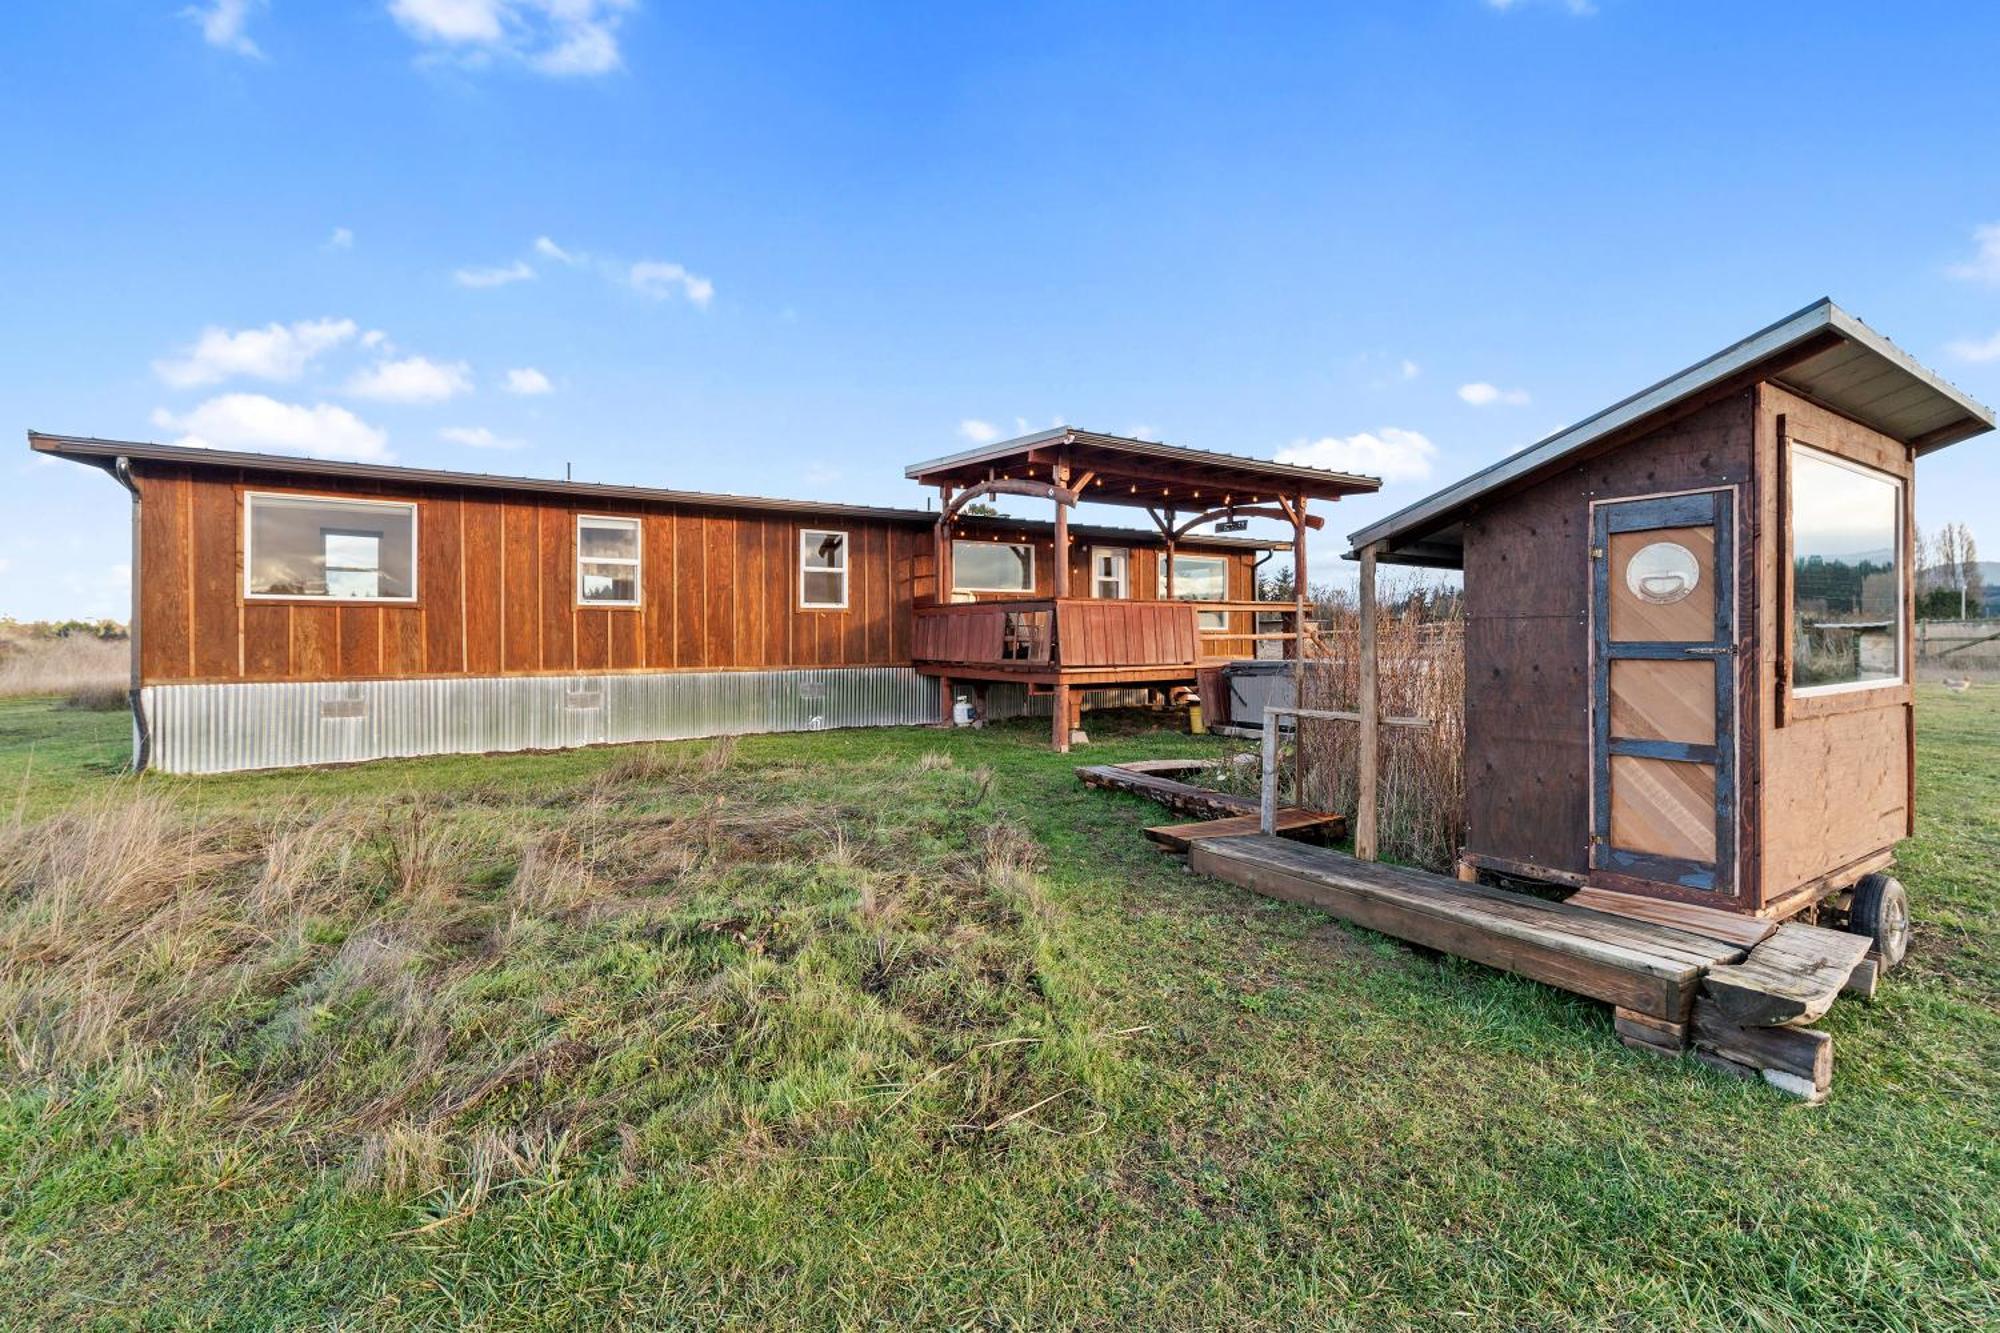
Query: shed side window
[607,561]
[1199,578]
[316,546]
[1847,574]
[992,567]
[822,569]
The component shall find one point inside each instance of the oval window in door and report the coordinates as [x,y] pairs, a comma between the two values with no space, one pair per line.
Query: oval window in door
[1662,573]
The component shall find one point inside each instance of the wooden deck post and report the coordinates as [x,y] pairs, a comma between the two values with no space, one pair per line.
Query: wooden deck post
[1371,716]
[941,559]
[1298,603]
[945,700]
[1059,713]
[1060,475]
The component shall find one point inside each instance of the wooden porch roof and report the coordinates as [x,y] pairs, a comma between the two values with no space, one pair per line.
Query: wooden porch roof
[1140,473]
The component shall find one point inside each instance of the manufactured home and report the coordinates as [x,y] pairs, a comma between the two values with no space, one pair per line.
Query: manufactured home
[1689,638]
[299,611]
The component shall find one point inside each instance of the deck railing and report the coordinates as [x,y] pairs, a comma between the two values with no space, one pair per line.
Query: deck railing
[1090,633]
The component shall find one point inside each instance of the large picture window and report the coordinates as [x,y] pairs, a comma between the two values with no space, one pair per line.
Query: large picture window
[992,567]
[822,569]
[340,550]
[607,561]
[1199,578]
[1847,574]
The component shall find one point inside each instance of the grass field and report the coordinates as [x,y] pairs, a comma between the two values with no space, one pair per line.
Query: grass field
[898,1028]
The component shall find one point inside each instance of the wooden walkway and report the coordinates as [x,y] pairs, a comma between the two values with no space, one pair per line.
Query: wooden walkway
[1739,1008]
[1149,778]
[1307,825]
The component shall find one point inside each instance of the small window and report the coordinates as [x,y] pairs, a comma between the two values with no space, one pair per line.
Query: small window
[1847,574]
[607,561]
[1199,578]
[992,567]
[340,550]
[1110,570]
[822,569]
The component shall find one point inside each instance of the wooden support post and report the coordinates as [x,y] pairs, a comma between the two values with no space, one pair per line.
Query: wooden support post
[1298,508]
[1267,788]
[1059,715]
[945,700]
[942,559]
[1371,717]
[1060,582]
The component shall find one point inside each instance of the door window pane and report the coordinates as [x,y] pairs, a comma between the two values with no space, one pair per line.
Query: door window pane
[1199,578]
[312,546]
[1847,574]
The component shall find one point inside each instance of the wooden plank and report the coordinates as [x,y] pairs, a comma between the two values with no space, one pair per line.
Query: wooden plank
[1365,804]
[1644,1032]
[1292,822]
[1791,978]
[1731,927]
[1180,797]
[1862,980]
[1441,916]
[1801,1055]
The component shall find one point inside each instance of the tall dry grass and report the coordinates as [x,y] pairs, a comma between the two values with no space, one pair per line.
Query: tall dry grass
[1421,782]
[90,672]
[682,960]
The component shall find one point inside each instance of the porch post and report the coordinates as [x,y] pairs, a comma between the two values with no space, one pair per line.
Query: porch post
[1059,713]
[1061,582]
[1299,602]
[1371,716]
[941,557]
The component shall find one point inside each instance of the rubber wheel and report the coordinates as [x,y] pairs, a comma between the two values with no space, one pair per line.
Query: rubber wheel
[1881,911]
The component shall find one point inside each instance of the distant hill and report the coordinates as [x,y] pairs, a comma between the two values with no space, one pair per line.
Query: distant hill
[1989,575]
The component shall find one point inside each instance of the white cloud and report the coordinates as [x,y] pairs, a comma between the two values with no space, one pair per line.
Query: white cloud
[1392,454]
[548,249]
[274,352]
[556,37]
[254,422]
[342,239]
[1481,394]
[1984,266]
[1976,349]
[1409,369]
[478,437]
[1581,8]
[518,271]
[660,280]
[528,382]
[414,379]
[979,432]
[224,25]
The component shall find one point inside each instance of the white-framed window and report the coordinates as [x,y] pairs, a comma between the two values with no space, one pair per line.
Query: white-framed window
[331,548]
[1110,572]
[992,566]
[822,569]
[1847,574]
[608,558]
[1199,578]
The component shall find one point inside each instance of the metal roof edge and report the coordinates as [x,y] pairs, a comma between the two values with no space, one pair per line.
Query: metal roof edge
[96,452]
[1766,342]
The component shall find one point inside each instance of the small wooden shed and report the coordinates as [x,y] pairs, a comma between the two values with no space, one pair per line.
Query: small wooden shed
[1689,647]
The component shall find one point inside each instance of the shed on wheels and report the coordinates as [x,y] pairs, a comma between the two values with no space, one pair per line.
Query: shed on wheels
[1688,651]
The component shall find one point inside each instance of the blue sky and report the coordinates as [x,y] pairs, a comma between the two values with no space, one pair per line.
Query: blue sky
[789,249]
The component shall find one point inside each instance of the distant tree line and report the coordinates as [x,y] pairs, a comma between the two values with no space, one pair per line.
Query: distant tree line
[1949,583]
[12,629]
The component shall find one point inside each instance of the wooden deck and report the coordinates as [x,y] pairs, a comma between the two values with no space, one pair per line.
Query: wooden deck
[1149,778]
[1305,825]
[1736,1007]
[1649,969]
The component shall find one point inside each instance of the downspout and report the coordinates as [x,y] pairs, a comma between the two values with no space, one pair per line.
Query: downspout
[142,732]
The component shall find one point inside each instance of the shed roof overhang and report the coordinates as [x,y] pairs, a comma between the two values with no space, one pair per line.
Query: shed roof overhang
[1821,353]
[1140,473]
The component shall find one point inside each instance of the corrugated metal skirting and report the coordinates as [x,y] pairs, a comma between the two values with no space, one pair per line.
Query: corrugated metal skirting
[223,728]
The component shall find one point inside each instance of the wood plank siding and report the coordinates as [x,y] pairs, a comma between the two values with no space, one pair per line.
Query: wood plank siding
[495,590]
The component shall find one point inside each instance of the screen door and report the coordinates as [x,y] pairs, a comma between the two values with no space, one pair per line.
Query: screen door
[1663,690]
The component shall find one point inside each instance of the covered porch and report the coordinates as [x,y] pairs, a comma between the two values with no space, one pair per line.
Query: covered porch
[1101,634]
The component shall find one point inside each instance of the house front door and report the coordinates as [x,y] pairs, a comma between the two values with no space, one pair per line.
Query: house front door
[1663,690]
